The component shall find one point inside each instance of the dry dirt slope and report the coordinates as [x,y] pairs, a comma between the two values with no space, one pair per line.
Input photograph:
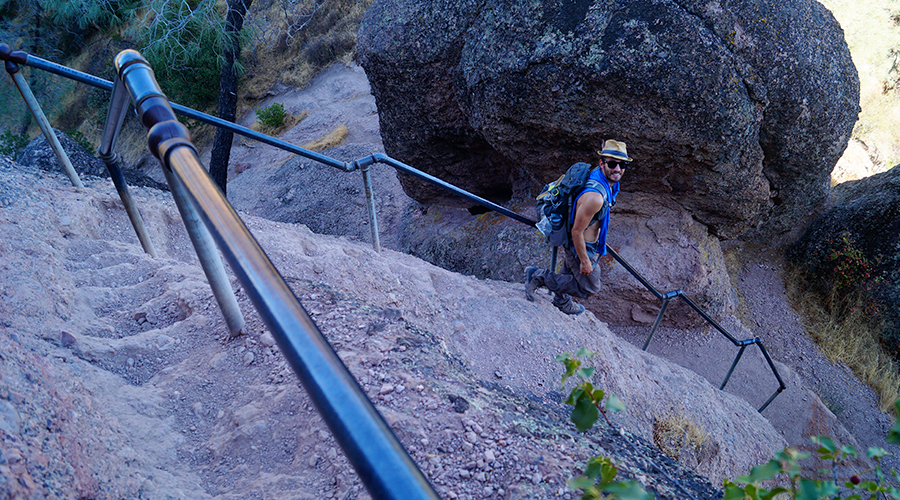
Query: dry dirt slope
[117,380]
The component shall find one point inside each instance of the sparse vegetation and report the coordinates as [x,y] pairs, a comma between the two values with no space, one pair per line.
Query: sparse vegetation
[11,143]
[333,139]
[81,140]
[852,337]
[674,434]
[272,116]
[291,42]
[833,291]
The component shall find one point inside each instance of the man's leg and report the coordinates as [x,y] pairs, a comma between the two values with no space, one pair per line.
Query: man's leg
[563,300]
[564,284]
[588,284]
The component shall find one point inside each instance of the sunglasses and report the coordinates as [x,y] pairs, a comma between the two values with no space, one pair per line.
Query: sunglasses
[614,164]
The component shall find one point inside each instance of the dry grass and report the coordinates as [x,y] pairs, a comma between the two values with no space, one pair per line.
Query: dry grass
[333,139]
[851,338]
[675,435]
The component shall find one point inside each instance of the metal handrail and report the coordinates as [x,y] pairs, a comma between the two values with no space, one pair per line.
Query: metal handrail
[666,297]
[382,463]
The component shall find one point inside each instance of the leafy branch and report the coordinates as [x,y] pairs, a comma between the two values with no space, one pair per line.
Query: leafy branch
[787,463]
[599,479]
[587,405]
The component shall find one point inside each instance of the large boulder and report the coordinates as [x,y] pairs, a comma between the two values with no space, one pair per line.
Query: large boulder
[855,246]
[38,155]
[738,112]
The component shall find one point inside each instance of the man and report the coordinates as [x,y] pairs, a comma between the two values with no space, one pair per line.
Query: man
[580,276]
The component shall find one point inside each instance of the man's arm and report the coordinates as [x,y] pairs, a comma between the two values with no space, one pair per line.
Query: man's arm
[588,205]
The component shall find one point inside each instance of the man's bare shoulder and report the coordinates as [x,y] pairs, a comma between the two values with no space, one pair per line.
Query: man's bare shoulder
[590,201]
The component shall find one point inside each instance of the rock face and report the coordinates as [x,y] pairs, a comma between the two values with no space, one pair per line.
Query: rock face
[39,155]
[864,218]
[736,112]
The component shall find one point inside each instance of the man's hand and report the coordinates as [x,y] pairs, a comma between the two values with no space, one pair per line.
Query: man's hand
[586,267]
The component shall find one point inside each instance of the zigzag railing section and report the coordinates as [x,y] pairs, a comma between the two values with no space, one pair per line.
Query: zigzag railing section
[382,463]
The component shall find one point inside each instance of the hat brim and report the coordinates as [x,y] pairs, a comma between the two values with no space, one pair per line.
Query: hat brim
[612,153]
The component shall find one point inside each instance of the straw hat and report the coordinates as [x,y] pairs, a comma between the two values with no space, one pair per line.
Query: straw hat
[615,149]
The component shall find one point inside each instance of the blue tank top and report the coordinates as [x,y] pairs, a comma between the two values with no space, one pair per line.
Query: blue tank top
[599,185]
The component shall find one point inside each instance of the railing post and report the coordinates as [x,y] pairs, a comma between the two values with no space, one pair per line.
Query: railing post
[35,108]
[662,310]
[205,247]
[118,107]
[203,243]
[370,201]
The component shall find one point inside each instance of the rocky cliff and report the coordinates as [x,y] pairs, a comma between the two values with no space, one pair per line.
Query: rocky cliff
[737,112]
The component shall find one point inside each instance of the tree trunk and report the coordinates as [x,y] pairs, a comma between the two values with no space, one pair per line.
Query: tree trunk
[228,81]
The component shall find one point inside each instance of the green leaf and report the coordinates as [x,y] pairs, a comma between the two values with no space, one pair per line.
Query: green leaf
[752,491]
[875,452]
[826,444]
[762,472]
[585,353]
[608,472]
[769,495]
[893,436]
[581,483]
[626,490]
[584,414]
[595,466]
[849,451]
[574,396]
[614,404]
[733,491]
[815,490]
[586,373]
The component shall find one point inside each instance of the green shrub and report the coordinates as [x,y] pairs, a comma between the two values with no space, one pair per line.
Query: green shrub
[11,144]
[273,116]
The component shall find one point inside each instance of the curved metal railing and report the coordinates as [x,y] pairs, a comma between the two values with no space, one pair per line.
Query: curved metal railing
[382,463]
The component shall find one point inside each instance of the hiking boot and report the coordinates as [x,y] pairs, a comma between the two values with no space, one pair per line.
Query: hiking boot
[568,306]
[530,283]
